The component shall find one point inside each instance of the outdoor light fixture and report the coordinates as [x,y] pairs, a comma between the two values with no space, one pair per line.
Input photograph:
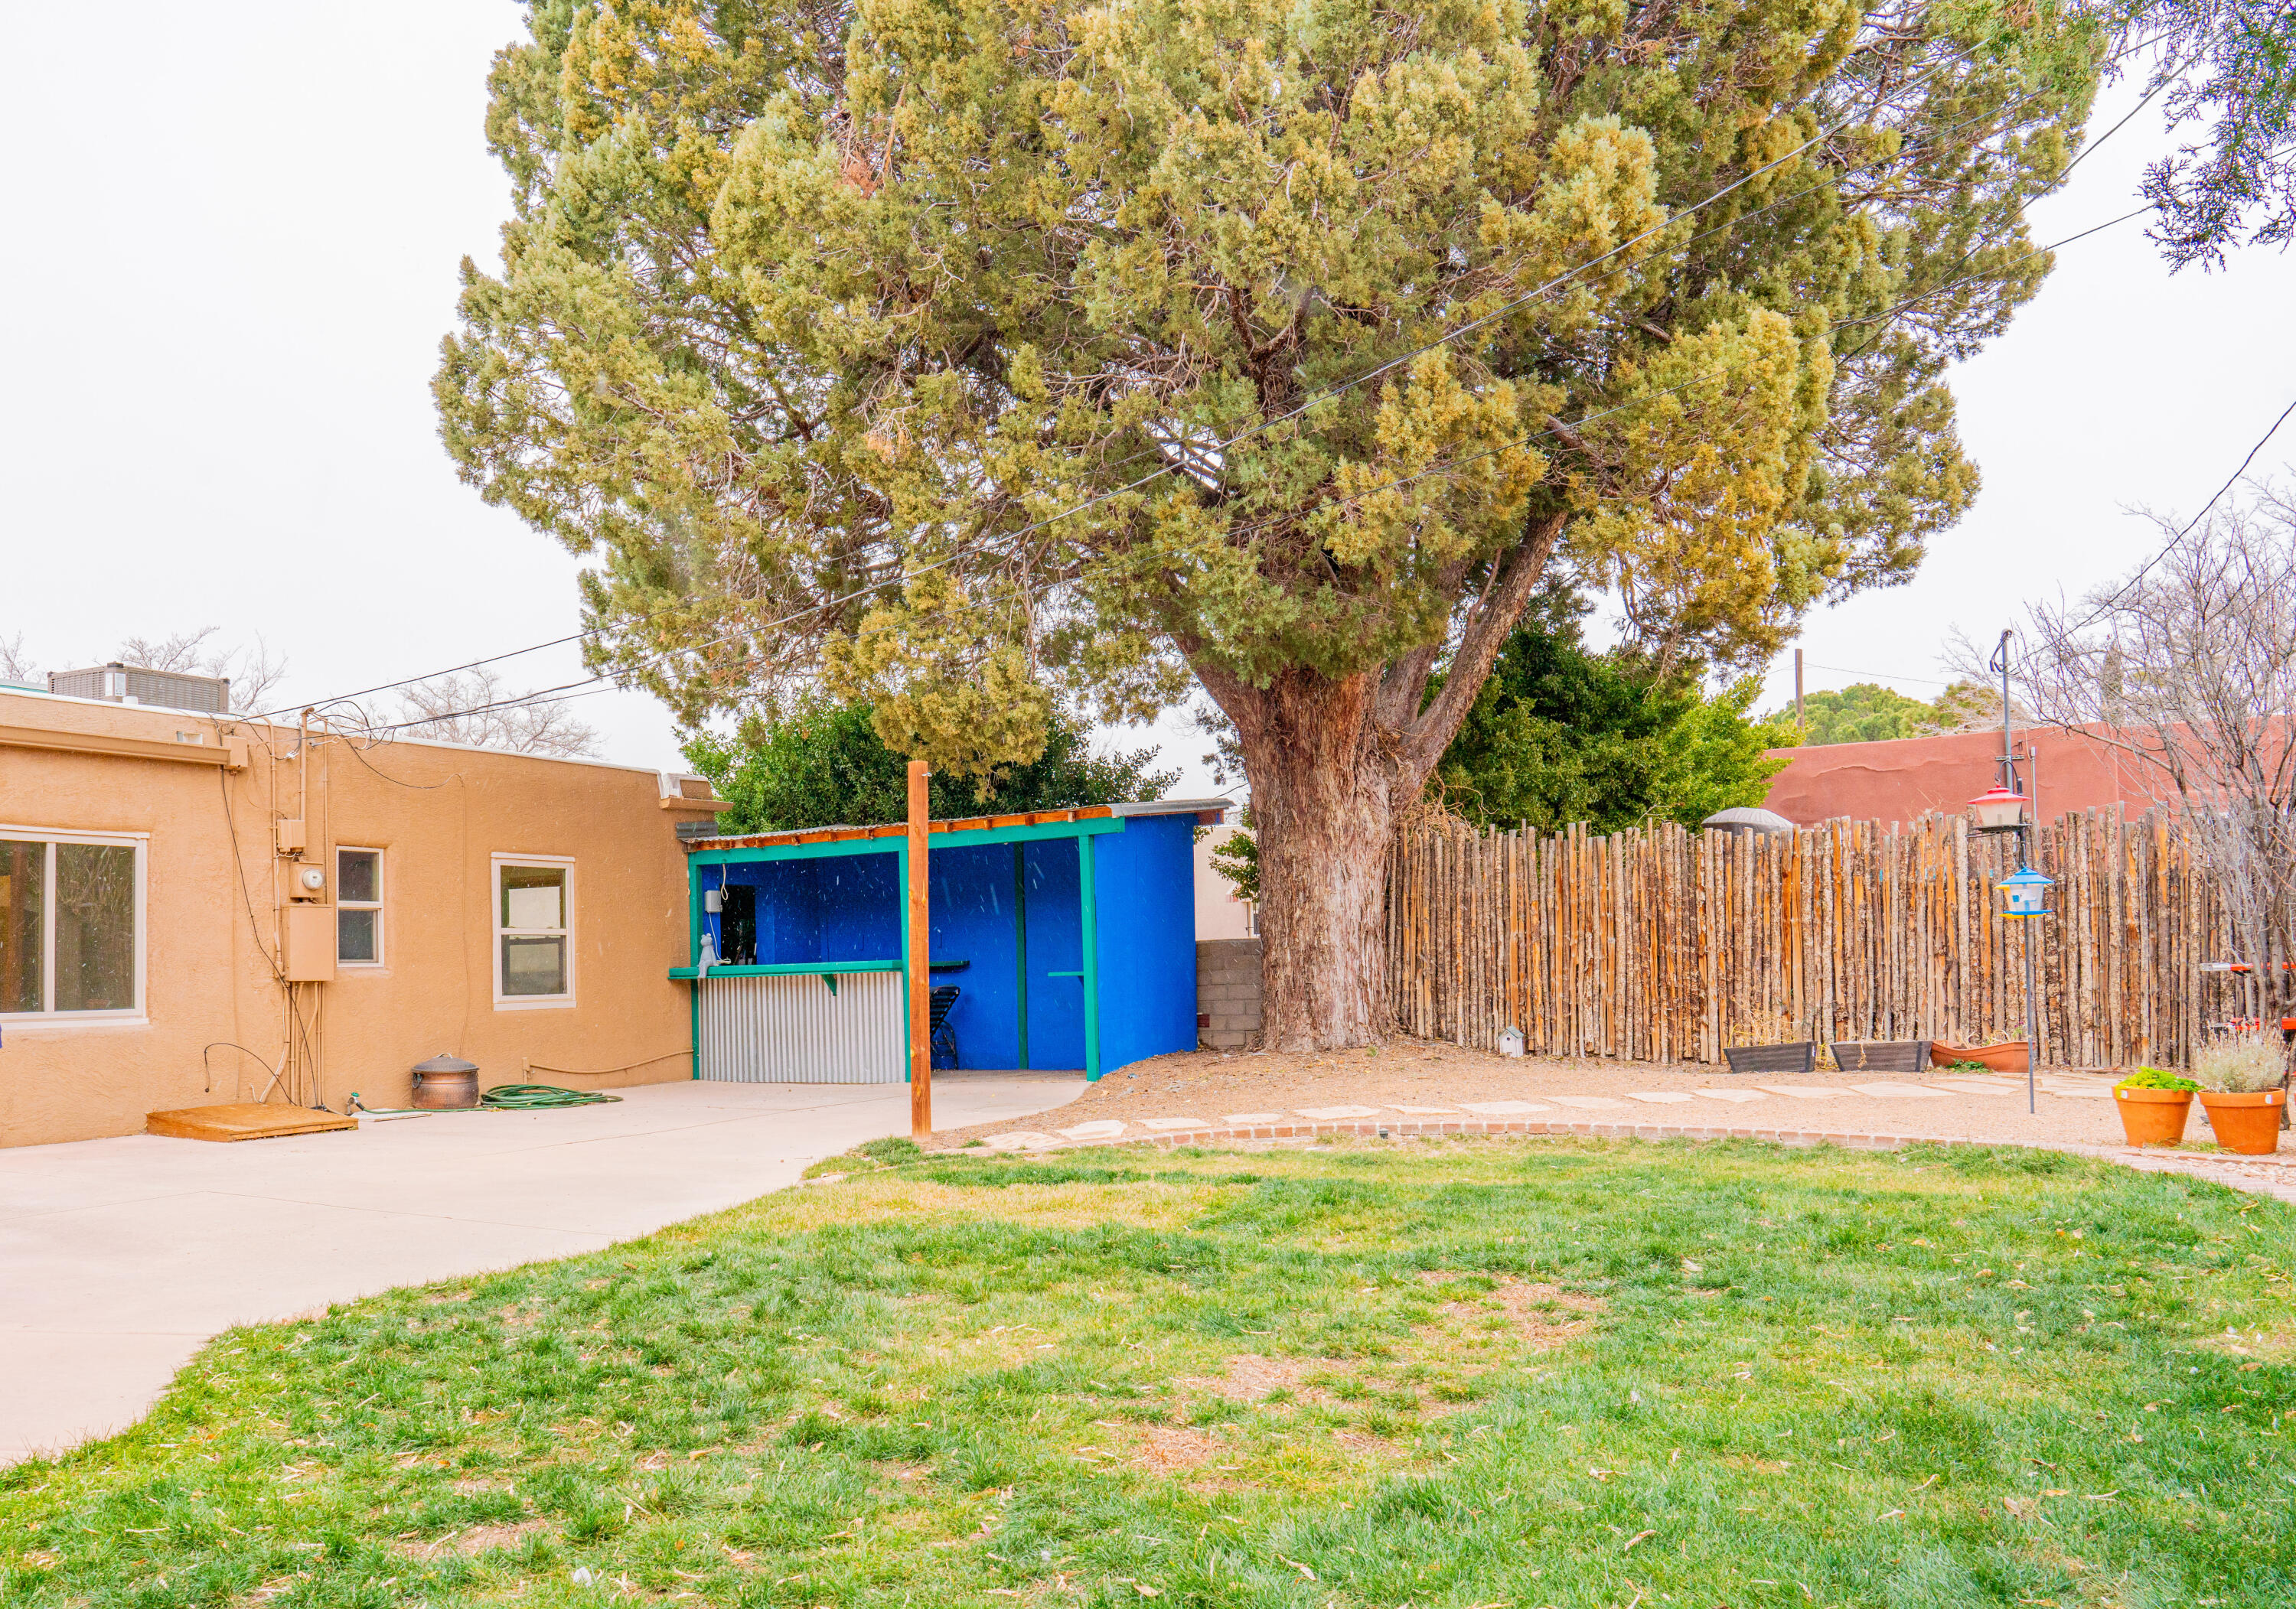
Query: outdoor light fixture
[2026,889]
[1999,809]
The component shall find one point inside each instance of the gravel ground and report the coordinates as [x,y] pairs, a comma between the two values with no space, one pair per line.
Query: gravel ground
[2076,1109]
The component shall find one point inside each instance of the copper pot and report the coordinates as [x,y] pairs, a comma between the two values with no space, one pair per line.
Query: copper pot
[446,1084]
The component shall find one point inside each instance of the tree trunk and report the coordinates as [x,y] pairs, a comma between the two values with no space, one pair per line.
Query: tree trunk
[1323,810]
[1331,759]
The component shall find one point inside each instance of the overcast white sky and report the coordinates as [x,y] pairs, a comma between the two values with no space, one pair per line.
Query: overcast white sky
[230,270]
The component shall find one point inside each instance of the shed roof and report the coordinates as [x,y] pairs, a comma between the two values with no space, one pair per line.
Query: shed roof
[1209,812]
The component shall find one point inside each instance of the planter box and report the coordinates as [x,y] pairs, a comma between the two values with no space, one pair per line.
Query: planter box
[1801,1058]
[1881,1055]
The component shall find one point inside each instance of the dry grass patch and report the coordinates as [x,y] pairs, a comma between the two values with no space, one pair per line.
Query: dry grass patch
[2261,1344]
[469,1542]
[1177,1448]
[1138,1204]
[1250,1378]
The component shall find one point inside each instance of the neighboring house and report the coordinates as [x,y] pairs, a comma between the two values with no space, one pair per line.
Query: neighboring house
[196,909]
[1902,778]
[1221,913]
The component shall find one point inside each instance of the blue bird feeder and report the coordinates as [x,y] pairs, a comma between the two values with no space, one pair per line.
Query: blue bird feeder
[2026,889]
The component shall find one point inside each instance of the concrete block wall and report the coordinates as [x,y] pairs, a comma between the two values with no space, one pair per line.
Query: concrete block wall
[1227,993]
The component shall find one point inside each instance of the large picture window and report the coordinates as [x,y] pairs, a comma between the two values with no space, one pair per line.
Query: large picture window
[71,912]
[534,932]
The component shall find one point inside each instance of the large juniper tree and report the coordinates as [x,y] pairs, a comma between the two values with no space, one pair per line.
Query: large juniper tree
[849,335]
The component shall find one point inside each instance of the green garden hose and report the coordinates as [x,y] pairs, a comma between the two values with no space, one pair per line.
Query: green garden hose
[502,1098]
[532,1097]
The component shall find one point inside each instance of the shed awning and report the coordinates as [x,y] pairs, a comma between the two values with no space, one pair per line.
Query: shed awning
[1209,812]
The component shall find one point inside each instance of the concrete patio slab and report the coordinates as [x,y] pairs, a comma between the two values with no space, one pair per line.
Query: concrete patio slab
[119,1257]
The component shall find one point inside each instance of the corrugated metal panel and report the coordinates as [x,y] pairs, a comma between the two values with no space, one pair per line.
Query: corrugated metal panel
[791,1030]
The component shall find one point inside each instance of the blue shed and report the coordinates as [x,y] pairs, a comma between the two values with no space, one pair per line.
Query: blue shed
[1068,936]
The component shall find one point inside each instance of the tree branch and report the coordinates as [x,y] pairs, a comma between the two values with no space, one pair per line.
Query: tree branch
[1493,617]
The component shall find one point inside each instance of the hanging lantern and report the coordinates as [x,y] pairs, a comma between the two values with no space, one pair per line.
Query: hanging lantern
[2026,889]
[1998,810]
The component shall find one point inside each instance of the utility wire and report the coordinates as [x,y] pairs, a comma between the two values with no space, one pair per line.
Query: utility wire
[1334,389]
[2120,593]
[649,661]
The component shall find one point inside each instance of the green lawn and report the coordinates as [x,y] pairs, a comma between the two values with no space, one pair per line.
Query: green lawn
[1467,1374]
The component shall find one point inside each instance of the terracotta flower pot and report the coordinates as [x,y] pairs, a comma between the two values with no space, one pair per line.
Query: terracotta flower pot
[2007,1057]
[2247,1123]
[2153,1117]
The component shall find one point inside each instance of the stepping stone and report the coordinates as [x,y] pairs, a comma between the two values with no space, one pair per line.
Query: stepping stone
[1807,1091]
[1105,1128]
[1256,1119]
[1167,1125]
[1741,1096]
[1659,1097]
[1890,1092]
[1426,1111]
[1502,1108]
[1334,1113]
[2096,1091]
[1969,1086]
[1590,1103]
[1024,1140]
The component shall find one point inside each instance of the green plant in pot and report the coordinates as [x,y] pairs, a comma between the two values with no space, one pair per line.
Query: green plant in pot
[2243,1084]
[2154,1106]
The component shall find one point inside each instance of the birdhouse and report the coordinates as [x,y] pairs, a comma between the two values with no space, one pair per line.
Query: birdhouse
[1998,810]
[2026,889]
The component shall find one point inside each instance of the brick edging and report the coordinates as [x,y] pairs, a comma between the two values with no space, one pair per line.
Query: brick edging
[1421,1127]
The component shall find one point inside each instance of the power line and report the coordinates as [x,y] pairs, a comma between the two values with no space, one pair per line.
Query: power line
[1306,403]
[1884,675]
[2120,592]
[1336,388]
[861,591]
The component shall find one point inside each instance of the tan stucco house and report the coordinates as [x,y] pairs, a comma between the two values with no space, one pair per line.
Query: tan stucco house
[196,909]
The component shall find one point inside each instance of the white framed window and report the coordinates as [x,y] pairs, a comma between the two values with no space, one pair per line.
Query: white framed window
[71,925]
[534,931]
[358,906]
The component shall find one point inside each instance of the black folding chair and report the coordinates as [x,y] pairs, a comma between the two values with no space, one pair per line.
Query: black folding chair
[943,1038]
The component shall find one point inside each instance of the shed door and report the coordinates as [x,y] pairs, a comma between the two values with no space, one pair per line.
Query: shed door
[1055,934]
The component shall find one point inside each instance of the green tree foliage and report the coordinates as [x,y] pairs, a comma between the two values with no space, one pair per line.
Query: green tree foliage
[977,358]
[1561,733]
[825,765]
[2229,65]
[1866,712]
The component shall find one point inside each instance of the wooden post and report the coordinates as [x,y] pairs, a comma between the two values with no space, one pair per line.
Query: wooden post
[919,954]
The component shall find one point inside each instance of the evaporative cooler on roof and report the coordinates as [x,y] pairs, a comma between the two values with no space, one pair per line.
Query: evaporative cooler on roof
[121,684]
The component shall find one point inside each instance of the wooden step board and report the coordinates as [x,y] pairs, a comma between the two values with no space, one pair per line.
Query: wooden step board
[243,1120]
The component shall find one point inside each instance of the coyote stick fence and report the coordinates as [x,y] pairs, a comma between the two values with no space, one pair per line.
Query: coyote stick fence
[1669,944]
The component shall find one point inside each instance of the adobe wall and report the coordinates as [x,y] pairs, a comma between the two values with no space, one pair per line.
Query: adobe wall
[439,814]
[1901,780]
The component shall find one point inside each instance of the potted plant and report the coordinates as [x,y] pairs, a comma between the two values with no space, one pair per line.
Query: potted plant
[2154,1106]
[2243,1084]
